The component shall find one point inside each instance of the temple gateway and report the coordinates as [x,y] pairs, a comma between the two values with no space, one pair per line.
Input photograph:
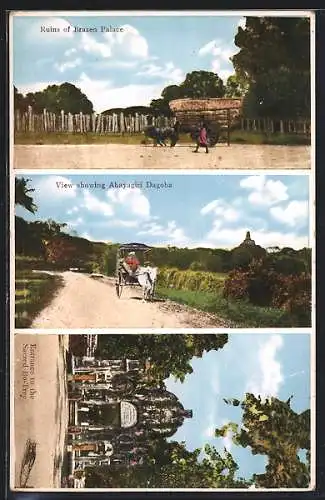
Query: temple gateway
[115,412]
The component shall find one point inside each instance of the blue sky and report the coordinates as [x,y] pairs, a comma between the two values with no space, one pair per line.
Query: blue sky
[266,364]
[212,211]
[120,69]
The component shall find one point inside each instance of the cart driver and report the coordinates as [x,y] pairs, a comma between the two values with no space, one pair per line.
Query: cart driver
[132,261]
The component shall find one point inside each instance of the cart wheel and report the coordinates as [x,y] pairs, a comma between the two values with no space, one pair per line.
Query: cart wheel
[119,285]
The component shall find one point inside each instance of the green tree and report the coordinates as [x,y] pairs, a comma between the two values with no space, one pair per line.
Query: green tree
[197,85]
[54,98]
[22,196]
[235,87]
[274,60]
[171,465]
[18,100]
[168,354]
[271,427]
[202,84]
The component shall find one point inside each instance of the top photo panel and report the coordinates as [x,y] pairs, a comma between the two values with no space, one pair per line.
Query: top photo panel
[147,90]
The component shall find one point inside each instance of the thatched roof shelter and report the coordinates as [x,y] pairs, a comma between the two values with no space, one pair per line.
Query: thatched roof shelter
[203,105]
[222,110]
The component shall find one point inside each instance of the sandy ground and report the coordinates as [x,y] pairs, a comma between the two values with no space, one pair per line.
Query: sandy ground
[121,156]
[85,302]
[40,407]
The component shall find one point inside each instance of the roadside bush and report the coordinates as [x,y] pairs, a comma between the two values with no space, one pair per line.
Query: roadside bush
[262,285]
[293,293]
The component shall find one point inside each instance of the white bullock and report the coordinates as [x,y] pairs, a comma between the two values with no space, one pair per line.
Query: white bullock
[147,277]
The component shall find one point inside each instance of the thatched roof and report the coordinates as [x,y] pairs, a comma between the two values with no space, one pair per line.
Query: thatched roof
[203,105]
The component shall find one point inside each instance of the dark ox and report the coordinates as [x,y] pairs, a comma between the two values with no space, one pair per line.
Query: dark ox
[161,134]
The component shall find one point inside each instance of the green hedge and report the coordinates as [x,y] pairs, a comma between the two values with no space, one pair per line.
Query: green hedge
[190,280]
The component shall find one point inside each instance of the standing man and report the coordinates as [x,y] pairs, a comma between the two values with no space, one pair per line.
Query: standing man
[202,140]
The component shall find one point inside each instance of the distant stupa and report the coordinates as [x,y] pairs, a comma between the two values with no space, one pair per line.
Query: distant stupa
[248,240]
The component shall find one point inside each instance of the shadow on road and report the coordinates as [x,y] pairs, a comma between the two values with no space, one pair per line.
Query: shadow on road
[27,463]
[149,301]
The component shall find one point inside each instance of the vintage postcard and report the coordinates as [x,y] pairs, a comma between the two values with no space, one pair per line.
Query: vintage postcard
[103,88]
[163,251]
[127,412]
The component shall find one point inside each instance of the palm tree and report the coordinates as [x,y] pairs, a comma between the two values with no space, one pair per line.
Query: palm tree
[22,197]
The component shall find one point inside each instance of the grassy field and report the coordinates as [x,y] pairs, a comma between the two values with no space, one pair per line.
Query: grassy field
[34,290]
[243,314]
[236,137]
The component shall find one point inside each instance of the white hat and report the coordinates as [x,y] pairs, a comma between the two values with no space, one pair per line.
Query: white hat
[131,253]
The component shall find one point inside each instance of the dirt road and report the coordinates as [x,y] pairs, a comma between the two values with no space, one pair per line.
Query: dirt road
[86,302]
[40,410]
[121,156]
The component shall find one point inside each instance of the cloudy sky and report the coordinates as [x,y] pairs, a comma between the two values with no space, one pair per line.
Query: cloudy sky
[266,364]
[192,211]
[125,68]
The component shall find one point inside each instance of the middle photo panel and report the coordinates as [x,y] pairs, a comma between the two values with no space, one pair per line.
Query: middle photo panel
[162,251]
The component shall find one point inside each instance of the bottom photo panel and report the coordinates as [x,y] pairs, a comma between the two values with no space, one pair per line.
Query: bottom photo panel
[162,411]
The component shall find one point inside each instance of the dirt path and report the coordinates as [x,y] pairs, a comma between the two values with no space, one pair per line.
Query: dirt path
[86,302]
[40,409]
[121,156]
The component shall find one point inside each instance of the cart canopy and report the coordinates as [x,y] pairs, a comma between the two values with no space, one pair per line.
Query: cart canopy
[129,247]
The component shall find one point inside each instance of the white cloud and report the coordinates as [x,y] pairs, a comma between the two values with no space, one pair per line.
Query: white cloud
[209,207]
[225,74]
[93,204]
[61,30]
[268,376]
[222,209]
[75,223]
[51,188]
[175,235]
[104,96]
[216,66]
[294,213]
[209,431]
[73,210]
[132,199]
[129,42]
[123,223]
[87,236]
[264,191]
[69,52]
[90,45]
[169,72]
[212,47]
[230,238]
[68,65]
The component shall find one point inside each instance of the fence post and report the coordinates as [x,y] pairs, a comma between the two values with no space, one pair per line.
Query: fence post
[136,122]
[30,119]
[93,122]
[70,122]
[17,121]
[98,123]
[62,120]
[122,125]
[81,122]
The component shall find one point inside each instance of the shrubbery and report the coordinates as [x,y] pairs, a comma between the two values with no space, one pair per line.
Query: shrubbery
[190,280]
[262,285]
